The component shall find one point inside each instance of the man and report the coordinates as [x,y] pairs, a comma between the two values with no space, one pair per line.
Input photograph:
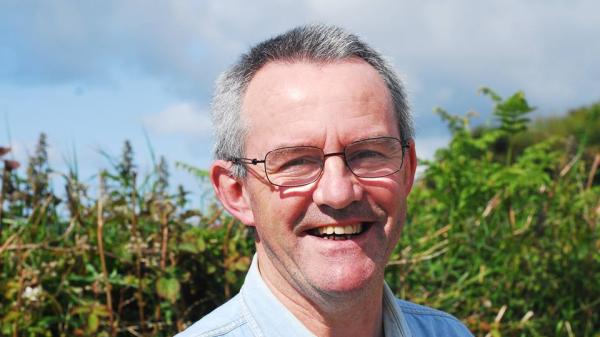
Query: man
[315,152]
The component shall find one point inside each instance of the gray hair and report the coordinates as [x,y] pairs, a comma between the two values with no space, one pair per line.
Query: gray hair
[313,43]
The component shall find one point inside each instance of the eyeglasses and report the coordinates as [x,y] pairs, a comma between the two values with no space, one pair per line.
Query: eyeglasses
[302,165]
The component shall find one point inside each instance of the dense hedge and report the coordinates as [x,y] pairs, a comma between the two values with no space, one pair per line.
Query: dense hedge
[505,238]
[508,240]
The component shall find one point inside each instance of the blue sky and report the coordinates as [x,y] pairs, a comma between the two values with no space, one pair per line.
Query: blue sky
[92,74]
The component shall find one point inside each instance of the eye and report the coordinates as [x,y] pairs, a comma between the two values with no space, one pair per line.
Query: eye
[366,155]
[294,160]
[299,162]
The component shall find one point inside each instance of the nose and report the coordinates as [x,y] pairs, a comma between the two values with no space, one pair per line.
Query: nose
[337,187]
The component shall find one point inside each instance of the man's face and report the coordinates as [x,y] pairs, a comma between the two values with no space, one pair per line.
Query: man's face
[326,106]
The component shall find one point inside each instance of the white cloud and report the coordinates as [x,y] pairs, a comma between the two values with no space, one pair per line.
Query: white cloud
[183,118]
[543,47]
[447,49]
[426,146]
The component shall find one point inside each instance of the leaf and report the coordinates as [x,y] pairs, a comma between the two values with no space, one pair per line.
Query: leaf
[13,288]
[242,263]
[201,244]
[188,247]
[11,316]
[130,280]
[93,323]
[168,288]
[198,172]
[230,277]
[100,310]
[491,93]
[80,310]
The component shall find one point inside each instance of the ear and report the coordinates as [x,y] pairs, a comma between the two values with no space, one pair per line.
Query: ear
[231,192]
[411,166]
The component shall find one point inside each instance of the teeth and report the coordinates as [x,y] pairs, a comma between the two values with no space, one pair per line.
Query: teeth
[340,230]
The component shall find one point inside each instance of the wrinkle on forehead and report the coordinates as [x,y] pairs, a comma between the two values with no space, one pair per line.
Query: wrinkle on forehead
[277,79]
[289,97]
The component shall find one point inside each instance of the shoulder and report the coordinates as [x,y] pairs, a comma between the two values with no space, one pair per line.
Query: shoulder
[226,320]
[431,322]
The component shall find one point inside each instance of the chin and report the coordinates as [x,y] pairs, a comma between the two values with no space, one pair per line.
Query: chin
[343,280]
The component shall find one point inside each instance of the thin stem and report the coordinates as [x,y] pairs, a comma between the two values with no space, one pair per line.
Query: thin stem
[139,294]
[165,239]
[21,272]
[103,262]
[590,179]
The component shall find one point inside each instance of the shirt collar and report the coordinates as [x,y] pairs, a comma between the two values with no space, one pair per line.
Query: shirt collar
[394,324]
[267,316]
[263,311]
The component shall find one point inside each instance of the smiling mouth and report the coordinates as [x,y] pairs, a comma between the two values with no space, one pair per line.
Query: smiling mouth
[340,232]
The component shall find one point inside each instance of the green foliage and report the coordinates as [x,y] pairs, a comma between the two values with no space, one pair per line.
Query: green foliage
[135,260]
[506,238]
[509,246]
[511,112]
[577,130]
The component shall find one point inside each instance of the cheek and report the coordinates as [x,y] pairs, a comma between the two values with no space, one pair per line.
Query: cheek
[389,195]
[278,214]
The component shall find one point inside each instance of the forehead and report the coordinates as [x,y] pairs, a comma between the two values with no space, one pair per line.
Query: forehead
[295,103]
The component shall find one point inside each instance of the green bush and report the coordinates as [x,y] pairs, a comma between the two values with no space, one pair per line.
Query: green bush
[133,261]
[507,240]
[509,245]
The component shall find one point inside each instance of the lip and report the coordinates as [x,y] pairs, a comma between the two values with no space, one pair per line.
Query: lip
[303,230]
[344,247]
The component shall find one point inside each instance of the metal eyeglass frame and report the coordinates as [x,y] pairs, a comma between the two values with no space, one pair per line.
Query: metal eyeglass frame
[404,143]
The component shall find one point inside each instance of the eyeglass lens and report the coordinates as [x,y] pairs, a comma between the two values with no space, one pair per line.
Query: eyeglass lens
[301,165]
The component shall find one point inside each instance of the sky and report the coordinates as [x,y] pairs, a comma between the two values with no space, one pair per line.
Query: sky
[91,74]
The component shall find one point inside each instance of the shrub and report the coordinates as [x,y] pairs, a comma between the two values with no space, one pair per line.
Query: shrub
[506,240]
[508,244]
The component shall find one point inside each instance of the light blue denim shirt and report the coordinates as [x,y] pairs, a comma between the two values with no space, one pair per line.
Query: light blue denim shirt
[256,312]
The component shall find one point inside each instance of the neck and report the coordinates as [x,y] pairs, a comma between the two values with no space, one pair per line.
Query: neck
[358,313]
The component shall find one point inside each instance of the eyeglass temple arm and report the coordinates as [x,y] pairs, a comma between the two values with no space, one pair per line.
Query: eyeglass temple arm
[253,161]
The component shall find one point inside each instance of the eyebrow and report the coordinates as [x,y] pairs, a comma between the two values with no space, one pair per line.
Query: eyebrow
[356,139]
[290,144]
